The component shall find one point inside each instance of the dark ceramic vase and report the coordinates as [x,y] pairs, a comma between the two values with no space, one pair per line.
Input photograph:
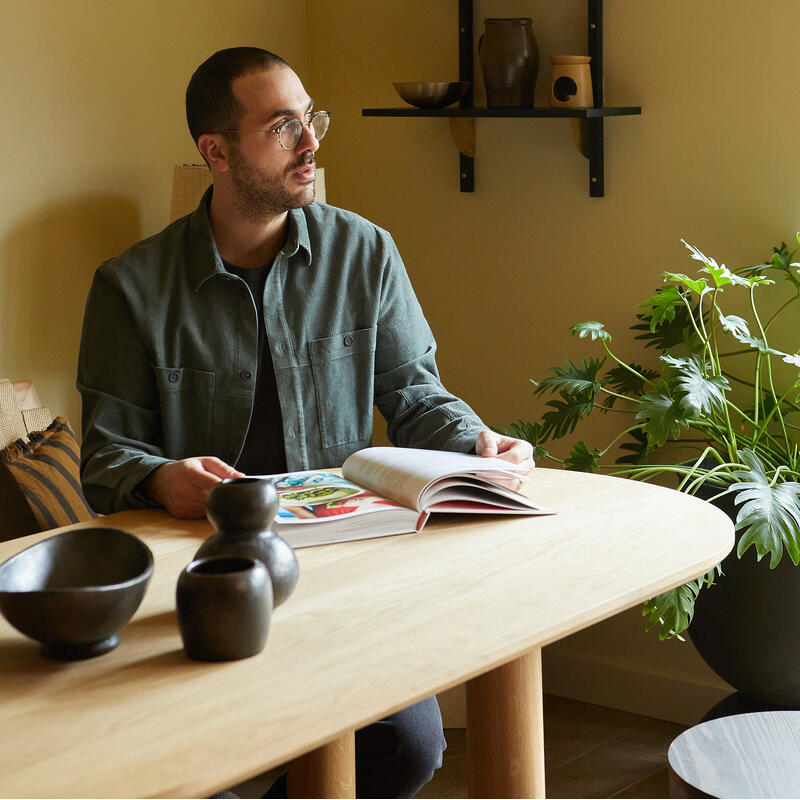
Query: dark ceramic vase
[509,57]
[224,607]
[242,510]
[745,626]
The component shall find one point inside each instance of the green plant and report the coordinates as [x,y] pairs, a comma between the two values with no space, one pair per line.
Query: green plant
[696,416]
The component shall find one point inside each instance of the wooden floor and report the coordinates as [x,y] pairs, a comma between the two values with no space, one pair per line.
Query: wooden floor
[590,751]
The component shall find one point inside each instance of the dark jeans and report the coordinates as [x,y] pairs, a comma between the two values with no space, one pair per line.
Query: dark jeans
[396,756]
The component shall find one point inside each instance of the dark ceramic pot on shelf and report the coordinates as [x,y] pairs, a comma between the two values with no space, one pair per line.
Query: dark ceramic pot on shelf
[224,606]
[242,510]
[509,58]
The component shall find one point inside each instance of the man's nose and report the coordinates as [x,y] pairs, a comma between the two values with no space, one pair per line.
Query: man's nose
[308,141]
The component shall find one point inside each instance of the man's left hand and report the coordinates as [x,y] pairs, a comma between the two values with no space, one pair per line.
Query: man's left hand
[517,451]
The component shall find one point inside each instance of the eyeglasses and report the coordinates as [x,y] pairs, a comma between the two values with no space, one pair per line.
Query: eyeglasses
[290,132]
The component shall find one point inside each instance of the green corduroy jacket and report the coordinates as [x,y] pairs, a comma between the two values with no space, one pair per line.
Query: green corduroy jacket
[168,356]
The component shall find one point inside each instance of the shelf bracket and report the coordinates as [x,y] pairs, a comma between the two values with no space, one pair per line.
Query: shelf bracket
[592,129]
[462,129]
[588,133]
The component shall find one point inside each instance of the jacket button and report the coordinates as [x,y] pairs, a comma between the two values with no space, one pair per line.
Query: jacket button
[348,340]
[174,377]
[246,375]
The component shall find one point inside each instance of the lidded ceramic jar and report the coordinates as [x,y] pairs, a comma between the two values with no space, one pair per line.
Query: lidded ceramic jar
[242,510]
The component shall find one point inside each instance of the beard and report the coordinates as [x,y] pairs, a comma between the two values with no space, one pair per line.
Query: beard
[259,195]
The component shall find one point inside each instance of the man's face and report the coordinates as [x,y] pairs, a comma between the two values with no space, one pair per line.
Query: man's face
[268,180]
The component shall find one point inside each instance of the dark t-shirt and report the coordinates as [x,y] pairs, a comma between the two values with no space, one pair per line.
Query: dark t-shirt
[263,451]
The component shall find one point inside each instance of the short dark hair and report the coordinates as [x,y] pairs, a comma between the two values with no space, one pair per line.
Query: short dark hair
[210,102]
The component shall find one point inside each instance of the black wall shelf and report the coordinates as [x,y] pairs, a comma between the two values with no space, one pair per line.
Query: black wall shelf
[590,132]
[474,112]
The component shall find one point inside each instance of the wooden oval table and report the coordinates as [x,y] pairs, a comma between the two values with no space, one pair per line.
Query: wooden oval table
[372,627]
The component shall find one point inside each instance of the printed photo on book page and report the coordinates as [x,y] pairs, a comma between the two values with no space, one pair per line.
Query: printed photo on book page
[313,496]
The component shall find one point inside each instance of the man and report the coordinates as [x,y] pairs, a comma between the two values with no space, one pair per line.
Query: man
[255,335]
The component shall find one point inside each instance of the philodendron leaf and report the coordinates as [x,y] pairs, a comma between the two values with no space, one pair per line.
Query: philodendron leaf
[663,415]
[722,276]
[674,609]
[698,256]
[581,459]
[623,381]
[769,514]
[702,392]
[637,450]
[573,378]
[670,334]
[698,286]
[761,346]
[565,414]
[736,326]
[662,306]
[592,329]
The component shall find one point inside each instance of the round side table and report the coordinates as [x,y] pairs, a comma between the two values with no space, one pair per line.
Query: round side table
[747,755]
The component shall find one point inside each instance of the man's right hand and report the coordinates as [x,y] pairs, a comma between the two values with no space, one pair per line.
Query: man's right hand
[183,486]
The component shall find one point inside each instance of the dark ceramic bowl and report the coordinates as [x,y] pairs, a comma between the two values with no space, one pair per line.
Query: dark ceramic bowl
[74,591]
[431,94]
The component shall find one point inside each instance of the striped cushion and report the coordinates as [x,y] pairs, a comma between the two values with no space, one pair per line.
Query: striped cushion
[44,475]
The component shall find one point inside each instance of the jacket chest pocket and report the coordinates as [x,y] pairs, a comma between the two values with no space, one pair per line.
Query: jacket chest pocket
[186,398]
[344,367]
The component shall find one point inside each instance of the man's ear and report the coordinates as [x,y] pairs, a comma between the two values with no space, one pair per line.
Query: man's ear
[215,149]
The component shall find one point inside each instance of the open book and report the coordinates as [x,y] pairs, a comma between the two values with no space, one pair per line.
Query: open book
[389,490]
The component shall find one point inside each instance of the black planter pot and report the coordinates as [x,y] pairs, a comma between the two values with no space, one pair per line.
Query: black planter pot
[746,627]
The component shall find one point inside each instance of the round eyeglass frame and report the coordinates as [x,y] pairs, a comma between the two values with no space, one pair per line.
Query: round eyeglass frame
[317,123]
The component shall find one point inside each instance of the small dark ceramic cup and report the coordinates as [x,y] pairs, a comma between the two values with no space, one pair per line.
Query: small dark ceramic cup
[224,607]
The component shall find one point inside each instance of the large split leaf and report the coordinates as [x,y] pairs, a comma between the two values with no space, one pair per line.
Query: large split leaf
[696,285]
[578,379]
[702,392]
[663,306]
[769,515]
[594,330]
[674,609]
[637,451]
[662,413]
[582,459]
[565,414]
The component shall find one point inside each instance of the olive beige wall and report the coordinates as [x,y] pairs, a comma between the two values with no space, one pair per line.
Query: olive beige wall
[92,124]
[503,272]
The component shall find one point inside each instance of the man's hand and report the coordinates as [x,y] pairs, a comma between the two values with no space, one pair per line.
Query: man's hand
[183,486]
[517,451]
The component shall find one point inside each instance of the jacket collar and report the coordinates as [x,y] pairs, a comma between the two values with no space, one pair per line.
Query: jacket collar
[203,260]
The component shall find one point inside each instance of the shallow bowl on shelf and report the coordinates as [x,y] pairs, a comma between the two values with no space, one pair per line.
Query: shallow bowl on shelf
[74,591]
[431,95]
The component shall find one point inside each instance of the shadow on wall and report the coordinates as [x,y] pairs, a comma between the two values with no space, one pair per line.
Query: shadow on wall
[48,261]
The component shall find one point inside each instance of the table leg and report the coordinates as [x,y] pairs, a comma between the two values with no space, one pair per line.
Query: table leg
[505,730]
[328,771]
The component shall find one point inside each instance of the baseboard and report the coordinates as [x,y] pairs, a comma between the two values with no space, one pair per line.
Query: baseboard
[640,689]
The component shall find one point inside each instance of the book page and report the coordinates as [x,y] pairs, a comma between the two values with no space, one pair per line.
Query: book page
[403,473]
[312,497]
